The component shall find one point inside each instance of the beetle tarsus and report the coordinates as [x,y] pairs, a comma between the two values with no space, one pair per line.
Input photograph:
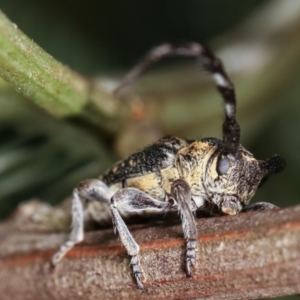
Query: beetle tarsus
[138,272]
[191,248]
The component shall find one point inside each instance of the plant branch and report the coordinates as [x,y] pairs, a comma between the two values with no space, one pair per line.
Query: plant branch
[248,256]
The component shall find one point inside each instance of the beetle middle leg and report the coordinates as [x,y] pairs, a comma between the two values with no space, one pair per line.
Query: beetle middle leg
[135,201]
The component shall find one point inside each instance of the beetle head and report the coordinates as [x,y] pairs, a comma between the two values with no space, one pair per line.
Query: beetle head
[231,179]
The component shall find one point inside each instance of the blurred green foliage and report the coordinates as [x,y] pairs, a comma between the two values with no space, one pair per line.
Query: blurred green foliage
[106,35]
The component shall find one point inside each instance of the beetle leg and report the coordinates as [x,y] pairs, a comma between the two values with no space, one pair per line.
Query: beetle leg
[77,232]
[134,200]
[93,190]
[181,192]
[259,206]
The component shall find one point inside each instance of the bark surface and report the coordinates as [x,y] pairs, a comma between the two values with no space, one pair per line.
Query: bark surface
[249,256]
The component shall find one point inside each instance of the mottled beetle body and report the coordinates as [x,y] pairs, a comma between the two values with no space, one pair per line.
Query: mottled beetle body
[175,174]
[154,169]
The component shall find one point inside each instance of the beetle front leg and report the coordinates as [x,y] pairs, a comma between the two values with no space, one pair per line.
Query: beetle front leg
[259,206]
[181,192]
[134,200]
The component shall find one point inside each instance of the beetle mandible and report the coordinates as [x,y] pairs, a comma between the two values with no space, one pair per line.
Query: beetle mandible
[175,174]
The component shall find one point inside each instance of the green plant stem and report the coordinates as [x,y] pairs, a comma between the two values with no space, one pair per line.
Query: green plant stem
[38,76]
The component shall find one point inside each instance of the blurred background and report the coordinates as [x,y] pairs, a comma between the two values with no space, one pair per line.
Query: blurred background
[42,156]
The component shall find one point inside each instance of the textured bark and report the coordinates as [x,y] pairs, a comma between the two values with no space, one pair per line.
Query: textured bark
[248,256]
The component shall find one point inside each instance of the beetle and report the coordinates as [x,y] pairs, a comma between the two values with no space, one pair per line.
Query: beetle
[175,174]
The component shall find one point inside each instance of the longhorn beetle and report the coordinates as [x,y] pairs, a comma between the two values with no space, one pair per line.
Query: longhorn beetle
[175,174]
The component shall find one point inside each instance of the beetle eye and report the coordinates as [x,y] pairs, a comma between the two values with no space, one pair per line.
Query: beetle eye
[223,166]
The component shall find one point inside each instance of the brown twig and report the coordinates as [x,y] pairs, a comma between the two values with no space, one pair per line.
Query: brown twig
[248,256]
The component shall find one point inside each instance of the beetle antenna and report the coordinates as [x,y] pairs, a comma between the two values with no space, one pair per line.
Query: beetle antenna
[274,164]
[231,129]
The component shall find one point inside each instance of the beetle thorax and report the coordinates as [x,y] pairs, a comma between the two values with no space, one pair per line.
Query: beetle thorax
[191,163]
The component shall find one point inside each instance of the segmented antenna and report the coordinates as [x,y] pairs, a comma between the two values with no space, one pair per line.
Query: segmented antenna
[231,129]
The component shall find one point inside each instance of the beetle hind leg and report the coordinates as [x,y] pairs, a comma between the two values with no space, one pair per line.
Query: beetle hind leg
[92,190]
[77,232]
